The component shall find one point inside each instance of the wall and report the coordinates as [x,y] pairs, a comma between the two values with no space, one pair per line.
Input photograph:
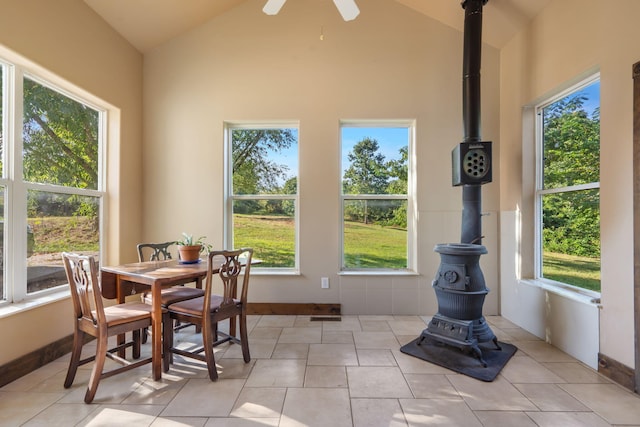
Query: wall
[389,63]
[568,40]
[67,39]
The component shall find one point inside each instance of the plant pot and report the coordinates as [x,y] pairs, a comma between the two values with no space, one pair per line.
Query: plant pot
[189,253]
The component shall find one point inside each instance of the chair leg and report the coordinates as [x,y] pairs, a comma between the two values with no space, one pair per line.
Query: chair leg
[244,338]
[136,344]
[207,341]
[78,338]
[96,372]
[167,341]
[145,335]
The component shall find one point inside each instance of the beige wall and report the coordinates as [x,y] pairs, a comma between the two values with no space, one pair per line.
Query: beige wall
[69,40]
[390,63]
[569,39]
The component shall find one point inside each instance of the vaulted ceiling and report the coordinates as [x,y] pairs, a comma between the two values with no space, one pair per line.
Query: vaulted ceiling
[149,23]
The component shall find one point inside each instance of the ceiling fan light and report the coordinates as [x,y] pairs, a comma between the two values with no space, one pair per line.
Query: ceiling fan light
[272,7]
[347,8]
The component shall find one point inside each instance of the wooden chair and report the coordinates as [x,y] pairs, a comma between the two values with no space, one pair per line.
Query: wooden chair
[93,318]
[207,311]
[161,252]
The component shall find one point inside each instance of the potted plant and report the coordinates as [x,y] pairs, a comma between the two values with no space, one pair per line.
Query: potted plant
[190,248]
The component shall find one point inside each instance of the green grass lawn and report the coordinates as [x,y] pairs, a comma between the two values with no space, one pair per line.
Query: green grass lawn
[366,245]
[578,271]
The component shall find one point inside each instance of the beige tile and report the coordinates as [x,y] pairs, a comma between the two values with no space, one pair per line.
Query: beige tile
[153,392]
[242,422]
[122,415]
[376,340]
[290,351]
[326,376]
[383,382]
[179,422]
[306,322]
[259,402]
[504,419]
[348,323]
[498,395]
[258,349]
[543,352]
[300,335]
[265,333]
[112,390]
[337,337]
[377,412]
[276,321]
[277,373]
[500,322]
[550,397]
[414,365]
[444,412]
[527,370]
[610,401]
[196,398]
[575,372]
[431,386]
[332,355]
[408,327]
[519,334]
[59,415]
[37,377]
[374,325]
[316,407]
[567,419]
[376,357]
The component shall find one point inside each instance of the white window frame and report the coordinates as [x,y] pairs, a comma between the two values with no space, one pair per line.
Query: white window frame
[540,191]
[411,268]
[229,197]
[16,69]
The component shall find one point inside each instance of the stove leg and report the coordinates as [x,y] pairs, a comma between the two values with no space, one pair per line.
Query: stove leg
[478,353]
[495,342]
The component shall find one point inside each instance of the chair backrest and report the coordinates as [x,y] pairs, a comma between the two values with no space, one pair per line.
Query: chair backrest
[82,274]
[155,251]
[230,264]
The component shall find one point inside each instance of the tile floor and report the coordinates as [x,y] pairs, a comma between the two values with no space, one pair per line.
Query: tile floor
[330,374]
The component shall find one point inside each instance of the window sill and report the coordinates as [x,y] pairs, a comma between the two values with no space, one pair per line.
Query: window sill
[403,273]
[580,295]
[274,272]
[10,309]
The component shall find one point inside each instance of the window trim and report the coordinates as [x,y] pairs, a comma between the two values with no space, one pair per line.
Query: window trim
[229,197]
[16,69]
[410,197]
[540,191]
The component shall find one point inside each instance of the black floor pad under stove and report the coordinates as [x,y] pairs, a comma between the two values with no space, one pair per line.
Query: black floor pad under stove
[459,361]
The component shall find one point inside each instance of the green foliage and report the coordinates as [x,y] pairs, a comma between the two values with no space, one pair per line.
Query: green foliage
[571,220]
[188,240]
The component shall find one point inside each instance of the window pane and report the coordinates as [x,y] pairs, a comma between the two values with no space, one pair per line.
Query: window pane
[375,234]
[2,251]
[571,238]
[1,120]
[60,137]
[571,139]
[272,234]
[374,160]
[57,223]
[264,161]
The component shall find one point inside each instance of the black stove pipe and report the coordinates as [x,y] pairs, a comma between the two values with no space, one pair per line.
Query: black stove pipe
[472,54]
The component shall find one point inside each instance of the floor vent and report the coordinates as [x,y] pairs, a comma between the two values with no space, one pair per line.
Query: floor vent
[325,318]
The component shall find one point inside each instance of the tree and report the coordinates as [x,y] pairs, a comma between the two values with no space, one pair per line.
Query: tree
[253,172]
[367,173]
[571,157]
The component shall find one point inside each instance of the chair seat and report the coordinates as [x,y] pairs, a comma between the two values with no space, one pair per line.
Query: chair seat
[175,294]
[125,313]
[194,306]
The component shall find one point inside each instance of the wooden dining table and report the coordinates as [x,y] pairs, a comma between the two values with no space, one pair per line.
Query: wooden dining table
[122,280]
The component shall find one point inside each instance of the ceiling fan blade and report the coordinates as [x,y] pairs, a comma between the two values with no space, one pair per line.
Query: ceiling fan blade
[347,8]
[272,7]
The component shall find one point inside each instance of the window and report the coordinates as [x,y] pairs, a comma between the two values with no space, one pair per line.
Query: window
[376,214]
[50,199]
[568,187]
[262,192]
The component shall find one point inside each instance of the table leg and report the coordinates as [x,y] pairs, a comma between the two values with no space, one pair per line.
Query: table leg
[156,336]
[121,300]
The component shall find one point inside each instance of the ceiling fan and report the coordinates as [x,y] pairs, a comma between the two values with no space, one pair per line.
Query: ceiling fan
[347,8]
